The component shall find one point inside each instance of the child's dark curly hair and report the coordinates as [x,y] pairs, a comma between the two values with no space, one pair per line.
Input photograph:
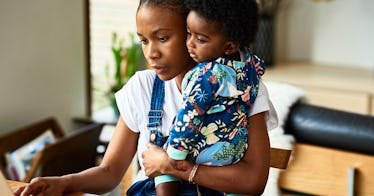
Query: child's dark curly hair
[239,18]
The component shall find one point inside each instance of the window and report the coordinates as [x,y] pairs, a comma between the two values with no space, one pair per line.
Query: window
[105,18]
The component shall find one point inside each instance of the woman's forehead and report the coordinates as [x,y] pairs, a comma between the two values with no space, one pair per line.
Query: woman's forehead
[158,18]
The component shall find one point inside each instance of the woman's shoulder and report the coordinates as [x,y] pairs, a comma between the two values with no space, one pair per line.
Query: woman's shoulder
[140,82]
[145,75]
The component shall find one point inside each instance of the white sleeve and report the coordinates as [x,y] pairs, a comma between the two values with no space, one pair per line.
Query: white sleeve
[263,104]
[133,100]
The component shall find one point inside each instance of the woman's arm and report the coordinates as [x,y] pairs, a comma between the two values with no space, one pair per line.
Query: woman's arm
[100,179]
[248,176]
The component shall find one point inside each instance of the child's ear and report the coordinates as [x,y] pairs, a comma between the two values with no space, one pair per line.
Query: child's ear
[231,48]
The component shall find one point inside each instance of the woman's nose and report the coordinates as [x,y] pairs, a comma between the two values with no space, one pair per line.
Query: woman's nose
[152,52]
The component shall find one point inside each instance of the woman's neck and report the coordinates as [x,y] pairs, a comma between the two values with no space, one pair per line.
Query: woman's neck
[179,78]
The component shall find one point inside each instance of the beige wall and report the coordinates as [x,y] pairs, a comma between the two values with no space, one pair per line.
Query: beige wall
[338,32]
[41,61]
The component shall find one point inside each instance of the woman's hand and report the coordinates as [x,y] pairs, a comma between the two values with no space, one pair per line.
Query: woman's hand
[43,186]
[155,160]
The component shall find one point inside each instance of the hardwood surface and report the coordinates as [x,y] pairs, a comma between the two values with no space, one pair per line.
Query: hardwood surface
[324,171]
[15,184]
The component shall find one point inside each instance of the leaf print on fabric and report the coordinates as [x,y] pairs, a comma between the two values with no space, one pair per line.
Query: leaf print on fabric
[198,109]
[207,156]
[229,90]
[207,67]
[240,75]
[221,72]
[216,109]
[246,95]
[212,79]
[208,132]
[227,81]
[226,153]
[186,118]
[259,68]
[233,133]
[238,65]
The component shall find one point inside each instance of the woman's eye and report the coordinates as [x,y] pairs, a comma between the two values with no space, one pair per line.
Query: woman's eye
[143,41]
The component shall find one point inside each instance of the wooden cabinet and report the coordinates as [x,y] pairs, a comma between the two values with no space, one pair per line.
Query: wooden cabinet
[336,87]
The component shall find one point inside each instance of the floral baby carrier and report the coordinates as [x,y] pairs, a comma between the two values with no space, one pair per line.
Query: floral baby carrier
[219,135]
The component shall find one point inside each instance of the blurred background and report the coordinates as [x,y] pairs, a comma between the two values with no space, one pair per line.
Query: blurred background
[56,57]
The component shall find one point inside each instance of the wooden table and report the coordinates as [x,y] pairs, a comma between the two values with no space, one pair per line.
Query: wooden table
[16,184]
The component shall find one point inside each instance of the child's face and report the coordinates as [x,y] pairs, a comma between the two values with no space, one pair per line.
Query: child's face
[163,36]
[205,40]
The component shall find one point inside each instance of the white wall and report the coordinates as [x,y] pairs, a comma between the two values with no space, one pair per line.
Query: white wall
[337,32]
[41,62]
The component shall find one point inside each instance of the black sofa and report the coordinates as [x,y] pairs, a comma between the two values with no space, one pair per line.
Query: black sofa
[331,128]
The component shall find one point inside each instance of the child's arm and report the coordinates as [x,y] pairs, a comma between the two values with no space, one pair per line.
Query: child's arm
[197,99]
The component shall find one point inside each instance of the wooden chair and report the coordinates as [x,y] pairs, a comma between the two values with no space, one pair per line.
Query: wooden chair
[279,158]
[72,153]
[19,137]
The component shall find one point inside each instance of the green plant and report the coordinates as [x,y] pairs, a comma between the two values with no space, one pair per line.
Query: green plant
[126,62]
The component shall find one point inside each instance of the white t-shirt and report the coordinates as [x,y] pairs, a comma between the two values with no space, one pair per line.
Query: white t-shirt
[133,102]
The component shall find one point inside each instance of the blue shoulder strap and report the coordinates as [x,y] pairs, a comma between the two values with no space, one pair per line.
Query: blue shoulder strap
[156,112]
[157,103]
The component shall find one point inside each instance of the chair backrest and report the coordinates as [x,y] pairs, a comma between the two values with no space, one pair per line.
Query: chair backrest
[279,158]
[19,137]
[71,154]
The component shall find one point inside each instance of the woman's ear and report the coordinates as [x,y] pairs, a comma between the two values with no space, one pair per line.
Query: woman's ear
[230,48]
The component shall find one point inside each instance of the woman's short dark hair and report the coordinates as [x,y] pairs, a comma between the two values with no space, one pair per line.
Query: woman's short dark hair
[174,5]
[238,18]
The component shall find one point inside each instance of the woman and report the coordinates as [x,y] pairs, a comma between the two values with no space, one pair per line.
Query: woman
[161,27]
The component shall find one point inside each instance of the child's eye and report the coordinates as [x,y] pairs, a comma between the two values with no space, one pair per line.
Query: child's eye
[200,41]
[163,39]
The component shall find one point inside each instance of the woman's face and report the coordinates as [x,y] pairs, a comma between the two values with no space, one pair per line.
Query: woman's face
[163,36]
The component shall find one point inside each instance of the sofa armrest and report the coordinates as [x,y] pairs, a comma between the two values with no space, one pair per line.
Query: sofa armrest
[331,128]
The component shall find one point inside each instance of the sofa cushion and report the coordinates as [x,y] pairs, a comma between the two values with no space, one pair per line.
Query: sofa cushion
[331,128]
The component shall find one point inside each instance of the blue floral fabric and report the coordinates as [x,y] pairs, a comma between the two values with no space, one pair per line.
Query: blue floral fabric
[211,127]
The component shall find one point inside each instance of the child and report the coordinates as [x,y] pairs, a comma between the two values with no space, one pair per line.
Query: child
[211,127]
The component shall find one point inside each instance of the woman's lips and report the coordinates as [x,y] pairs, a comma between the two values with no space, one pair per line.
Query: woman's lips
[159,69]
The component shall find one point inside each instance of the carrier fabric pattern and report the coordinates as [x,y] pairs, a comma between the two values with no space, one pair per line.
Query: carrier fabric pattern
[211,127]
